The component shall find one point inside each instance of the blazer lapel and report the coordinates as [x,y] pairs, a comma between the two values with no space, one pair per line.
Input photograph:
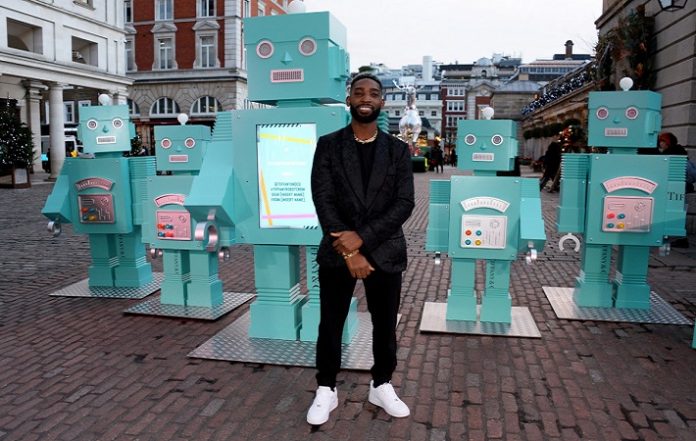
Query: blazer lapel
[379,167]
[351,164]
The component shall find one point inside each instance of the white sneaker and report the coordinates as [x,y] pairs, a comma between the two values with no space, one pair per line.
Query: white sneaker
[385,397]
[324,402]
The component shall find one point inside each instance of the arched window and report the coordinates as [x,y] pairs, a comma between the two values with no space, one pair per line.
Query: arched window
[133,108]
[165,107]
[206,105]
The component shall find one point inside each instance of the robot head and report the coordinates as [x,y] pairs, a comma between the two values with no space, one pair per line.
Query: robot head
[628,119]
[105,128]
[486,145]
[296,57]
[181,148]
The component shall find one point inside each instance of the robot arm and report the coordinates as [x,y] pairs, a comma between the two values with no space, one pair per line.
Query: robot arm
[571,210]
[57,207]
[211,195]
[532,234]
[438,217]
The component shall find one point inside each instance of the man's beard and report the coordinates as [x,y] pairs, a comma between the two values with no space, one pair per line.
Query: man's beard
[365,119]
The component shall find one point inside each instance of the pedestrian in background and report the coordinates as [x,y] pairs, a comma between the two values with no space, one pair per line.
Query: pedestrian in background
[552,162]
[437,157]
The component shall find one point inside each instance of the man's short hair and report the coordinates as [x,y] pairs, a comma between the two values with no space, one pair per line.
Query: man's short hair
[363,76]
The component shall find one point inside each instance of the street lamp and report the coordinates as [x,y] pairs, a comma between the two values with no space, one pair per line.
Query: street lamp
[672,5]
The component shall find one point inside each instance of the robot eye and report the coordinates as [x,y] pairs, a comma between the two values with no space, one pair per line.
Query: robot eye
[165,143]
[469,139]
[92,124]
[307,46]
[632,113]
[190,143]
[264,49]
[496,139]
[602,113]
[117,123]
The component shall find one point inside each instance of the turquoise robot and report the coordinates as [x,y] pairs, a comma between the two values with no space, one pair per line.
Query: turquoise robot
[101,193]
[189,255]
[296,63]
[484,217]
[622,199]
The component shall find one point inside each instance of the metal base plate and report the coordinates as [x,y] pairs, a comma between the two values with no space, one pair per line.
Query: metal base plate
[660,311]
[230,302]
[82,289]
[522,325]
[234,344]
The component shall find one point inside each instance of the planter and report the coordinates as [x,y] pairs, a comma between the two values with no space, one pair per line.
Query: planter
[16,177]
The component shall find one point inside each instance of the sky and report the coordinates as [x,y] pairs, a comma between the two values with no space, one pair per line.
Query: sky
[401,32]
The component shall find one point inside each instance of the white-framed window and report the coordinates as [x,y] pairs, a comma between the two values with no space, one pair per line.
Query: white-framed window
[84,103]
[133,108]
[397,113]
[207,50]
[455,106]
[261,8]
[422,96]
[421,113]
[206,105]
[128,11]
[165,107]
[130,54]
[69,111]
[164,50]
[247,9]
[433,113]
[83,2]
[164,9]
[206,8]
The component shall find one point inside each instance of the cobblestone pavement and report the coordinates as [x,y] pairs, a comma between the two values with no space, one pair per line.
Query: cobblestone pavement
[79,369]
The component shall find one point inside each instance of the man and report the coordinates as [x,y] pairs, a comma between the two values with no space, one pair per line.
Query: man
[362,187]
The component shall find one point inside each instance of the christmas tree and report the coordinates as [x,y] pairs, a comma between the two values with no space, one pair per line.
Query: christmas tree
[16,143]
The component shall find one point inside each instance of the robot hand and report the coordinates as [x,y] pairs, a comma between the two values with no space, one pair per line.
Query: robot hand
[572,237]
[224,254]
[207,232]
[155,252]
[531,256]
[665,249]
[54,228]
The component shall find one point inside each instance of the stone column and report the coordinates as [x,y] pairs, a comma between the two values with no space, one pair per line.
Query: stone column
[34,89]
[57,127]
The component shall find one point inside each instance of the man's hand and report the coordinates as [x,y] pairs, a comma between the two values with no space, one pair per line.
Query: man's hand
[346,241]
[359,266]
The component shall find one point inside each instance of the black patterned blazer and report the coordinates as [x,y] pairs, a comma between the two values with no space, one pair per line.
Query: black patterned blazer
[376,215]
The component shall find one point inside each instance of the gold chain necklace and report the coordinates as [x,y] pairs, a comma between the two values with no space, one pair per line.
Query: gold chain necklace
[365,141]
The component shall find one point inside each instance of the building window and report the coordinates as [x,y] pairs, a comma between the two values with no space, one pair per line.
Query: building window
[165,107]
[164,9]
[83,2]
[247,8]
[397,112]
[69,111]
[128,11]
[24,36]
[261,9]
[84,51]
[421,113]
[133,108]
[433,113]
[165,53]
[130,55]
[207,51]
[206,8]
[422,96]
[206,105]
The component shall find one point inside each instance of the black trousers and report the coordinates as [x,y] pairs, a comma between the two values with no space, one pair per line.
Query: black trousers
[383,293]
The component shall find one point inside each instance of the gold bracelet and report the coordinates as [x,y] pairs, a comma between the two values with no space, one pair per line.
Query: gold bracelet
[347,256]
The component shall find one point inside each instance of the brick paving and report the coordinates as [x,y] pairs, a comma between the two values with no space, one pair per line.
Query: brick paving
[79,369]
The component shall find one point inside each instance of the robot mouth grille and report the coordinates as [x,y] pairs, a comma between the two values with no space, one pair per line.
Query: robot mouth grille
[287,76]
[620,132]
[485,157]
[178,158]
[106,140]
